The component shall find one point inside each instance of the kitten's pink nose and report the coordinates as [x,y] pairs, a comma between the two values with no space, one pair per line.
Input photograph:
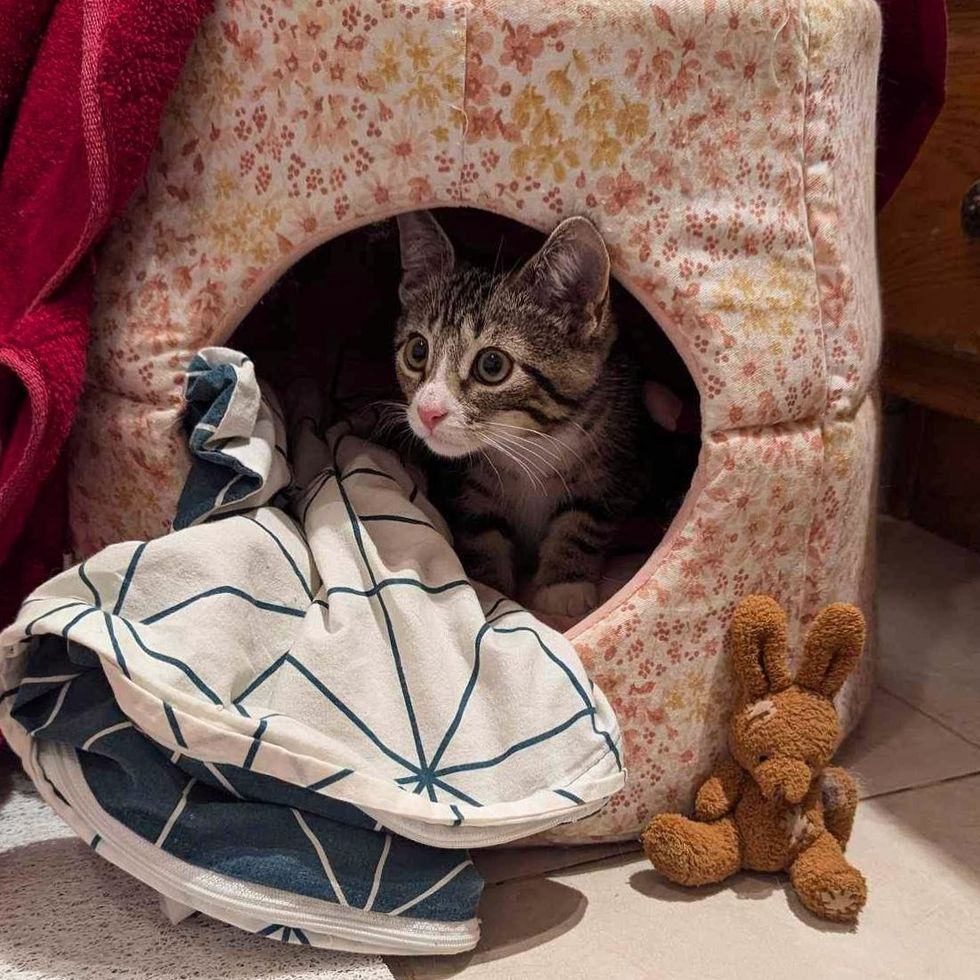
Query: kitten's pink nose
[431,415]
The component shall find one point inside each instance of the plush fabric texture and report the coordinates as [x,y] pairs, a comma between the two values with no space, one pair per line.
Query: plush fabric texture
[728,160]
[82,87]
[776,805]
[22,24]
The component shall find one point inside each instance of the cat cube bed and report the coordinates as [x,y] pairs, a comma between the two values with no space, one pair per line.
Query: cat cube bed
[726,153]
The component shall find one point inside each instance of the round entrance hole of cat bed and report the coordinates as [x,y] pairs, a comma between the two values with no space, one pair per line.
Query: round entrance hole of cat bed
[333,313]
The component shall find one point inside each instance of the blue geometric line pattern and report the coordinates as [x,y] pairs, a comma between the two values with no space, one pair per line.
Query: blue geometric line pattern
[574,681]
[394,519]
[256,739]
[349,713]
[428,776]
[285,553]
[423,776]
[428,773]
[329,780]
[29,628]
[287,934]
[128,578]
[120,659]
[517,746]
[67,628]
[188,672]
[174,727]
[387,583]
[314,492]
[222,590]
[96,598]
[396,655]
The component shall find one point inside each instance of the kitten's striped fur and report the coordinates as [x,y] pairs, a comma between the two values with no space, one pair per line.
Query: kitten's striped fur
[532,472]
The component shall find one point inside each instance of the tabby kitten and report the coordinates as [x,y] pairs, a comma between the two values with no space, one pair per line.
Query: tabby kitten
[517,385]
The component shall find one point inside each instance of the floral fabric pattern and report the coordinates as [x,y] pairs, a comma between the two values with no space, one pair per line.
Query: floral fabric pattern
[725,150]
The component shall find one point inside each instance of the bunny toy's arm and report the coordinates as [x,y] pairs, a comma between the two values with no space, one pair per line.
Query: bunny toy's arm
[720,791]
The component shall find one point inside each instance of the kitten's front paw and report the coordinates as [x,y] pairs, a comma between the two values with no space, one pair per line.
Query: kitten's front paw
[566,599]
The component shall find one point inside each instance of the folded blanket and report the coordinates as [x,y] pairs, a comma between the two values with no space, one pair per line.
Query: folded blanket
[300,689]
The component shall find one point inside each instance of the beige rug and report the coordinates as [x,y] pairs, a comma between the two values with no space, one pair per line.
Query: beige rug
[67,914]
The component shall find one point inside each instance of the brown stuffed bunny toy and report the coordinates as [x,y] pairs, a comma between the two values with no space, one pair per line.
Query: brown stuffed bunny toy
[776,805]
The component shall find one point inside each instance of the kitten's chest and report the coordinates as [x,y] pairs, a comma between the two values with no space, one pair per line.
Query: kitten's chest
[528,512]
[527,503]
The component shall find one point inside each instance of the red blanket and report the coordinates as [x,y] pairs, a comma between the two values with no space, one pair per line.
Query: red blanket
[82,87]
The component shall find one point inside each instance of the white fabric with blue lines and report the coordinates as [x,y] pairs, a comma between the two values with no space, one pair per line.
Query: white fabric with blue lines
[335,645]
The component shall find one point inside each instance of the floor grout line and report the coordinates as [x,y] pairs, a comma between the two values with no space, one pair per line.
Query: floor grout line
[915,789]
[626,851]
[942,724]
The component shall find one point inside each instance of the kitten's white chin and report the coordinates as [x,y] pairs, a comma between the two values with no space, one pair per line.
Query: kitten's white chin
[442,445]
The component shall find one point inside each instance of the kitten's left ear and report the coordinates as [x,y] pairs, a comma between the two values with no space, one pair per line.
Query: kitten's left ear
[571,269]
[426,251]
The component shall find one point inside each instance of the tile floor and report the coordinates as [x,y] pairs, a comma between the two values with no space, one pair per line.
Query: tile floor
[604,911]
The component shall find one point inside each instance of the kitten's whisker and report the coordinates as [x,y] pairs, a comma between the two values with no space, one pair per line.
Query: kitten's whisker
[496,472]
[545,435]
[588,435]
[518,442]
[496,261]
[522,443]
[540,464]
[549,450]
[534,480]
[547,454]
[603,489]
[514,443]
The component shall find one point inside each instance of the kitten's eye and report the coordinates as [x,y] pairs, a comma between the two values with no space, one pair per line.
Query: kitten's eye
[416,352]
[492,366]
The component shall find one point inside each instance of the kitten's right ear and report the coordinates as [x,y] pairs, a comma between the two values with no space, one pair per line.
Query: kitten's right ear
[426,251]
[571,269]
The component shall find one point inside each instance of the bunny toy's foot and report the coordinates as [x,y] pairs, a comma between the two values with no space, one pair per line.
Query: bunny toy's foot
[826,884]
[692,853]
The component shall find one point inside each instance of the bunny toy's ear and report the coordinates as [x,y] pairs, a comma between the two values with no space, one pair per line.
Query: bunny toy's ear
[833,645]
[758,637]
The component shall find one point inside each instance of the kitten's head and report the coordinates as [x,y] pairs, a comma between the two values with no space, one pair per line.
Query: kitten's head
[483,357]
